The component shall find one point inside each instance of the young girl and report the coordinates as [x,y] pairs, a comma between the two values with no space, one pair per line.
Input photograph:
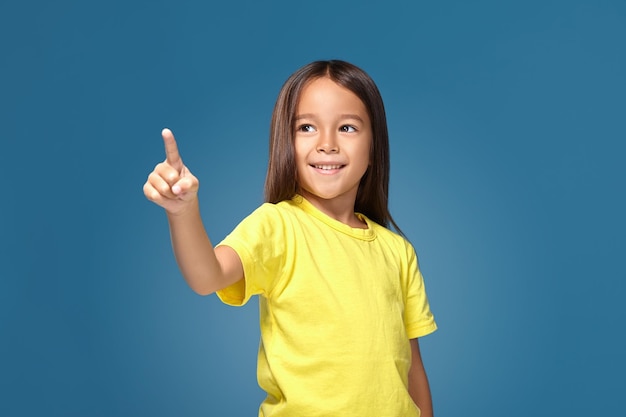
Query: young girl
[342,298]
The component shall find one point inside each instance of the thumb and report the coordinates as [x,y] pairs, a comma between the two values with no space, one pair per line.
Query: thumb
[187,185]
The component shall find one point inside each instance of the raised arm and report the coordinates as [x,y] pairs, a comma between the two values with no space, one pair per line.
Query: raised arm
[172,186]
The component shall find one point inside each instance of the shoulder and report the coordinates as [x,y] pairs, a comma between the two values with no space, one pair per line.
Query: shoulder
[286,212]
[280,209]
[394,243]
[264,212]
[389,236]
[268,218]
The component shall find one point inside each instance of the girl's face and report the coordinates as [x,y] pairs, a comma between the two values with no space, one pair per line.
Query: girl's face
[332,143]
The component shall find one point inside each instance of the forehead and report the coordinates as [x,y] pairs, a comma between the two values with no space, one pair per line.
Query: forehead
[325,96]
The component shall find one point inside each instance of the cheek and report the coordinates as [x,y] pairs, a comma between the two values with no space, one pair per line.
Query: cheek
[298,151]
[300,162]
[299,169]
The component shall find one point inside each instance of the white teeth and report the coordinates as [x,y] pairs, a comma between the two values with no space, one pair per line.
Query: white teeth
[327,167]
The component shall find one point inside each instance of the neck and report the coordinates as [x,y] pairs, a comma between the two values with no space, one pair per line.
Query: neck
[339,208]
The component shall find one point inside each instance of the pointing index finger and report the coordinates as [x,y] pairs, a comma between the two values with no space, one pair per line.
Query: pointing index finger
[171,150]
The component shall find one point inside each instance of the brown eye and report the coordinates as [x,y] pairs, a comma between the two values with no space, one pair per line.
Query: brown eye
[347,129]
[306,128]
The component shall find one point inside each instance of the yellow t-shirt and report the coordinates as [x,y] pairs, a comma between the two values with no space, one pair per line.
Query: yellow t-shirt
[338,306]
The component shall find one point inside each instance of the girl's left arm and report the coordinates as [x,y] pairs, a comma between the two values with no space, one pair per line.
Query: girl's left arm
[418,381]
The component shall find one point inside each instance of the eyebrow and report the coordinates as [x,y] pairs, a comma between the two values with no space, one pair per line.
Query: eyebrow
[342,117]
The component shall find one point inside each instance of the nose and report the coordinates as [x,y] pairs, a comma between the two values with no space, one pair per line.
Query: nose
[327,143]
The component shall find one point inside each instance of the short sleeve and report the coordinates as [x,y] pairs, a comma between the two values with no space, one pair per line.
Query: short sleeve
[418,318]
[258,240]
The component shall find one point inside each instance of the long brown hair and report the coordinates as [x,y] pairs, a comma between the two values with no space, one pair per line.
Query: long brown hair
[281,182]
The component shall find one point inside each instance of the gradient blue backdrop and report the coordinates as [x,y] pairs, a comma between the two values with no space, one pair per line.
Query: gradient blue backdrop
[508,145]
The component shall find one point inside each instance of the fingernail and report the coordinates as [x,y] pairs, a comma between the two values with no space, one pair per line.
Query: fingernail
[176,189]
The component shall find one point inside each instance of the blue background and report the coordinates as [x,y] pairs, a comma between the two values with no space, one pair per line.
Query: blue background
[508,145]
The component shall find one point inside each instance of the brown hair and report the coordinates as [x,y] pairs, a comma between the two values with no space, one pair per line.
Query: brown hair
[281,182]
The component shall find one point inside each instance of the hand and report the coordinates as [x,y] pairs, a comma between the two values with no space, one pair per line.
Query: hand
[171,185]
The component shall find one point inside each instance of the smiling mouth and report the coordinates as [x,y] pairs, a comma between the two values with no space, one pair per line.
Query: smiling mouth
[327,167]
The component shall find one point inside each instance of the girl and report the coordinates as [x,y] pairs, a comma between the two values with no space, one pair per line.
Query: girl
[342,298]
